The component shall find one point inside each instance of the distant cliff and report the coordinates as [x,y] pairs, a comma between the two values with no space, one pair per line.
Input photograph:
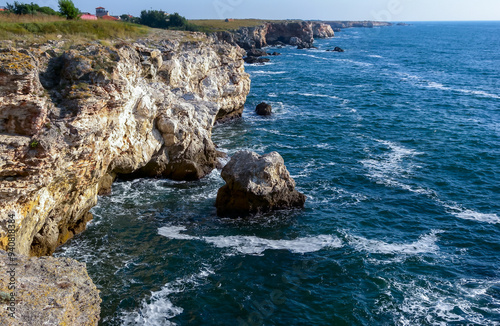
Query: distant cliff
[71,120]
[301,34]
[338,25]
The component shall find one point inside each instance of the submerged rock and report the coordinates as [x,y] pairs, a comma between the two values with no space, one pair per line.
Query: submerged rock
[256,184]
[48,291]
[264,109]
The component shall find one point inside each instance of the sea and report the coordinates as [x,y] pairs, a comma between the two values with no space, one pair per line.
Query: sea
[396,144]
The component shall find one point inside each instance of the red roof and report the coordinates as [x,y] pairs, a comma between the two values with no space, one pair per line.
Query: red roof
[108,17]
[3,9]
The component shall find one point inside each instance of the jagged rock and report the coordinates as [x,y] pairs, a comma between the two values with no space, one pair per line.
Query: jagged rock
[69,123]
[264,109]
[252,60]
[48,291]
[256,53]
[273,53]
[279,33]
[321,30]
[337,49]
[256,184]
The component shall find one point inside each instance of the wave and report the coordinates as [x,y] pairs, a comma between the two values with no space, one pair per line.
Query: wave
[388,167]
[252,245]
[158,309]
[262,72]
[439,86]
[439,302]
[468,214]
[425,244]
[333,97]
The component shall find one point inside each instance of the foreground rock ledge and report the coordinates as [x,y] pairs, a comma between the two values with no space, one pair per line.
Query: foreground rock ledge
[256,184]
[49,291]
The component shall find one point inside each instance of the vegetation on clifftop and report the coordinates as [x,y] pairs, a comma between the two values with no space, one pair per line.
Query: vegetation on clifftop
[42,27]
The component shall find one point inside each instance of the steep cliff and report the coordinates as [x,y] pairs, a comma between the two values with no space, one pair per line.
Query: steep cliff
[301,34]
[71,120]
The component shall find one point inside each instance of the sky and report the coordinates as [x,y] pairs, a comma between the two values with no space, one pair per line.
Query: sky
[384,10]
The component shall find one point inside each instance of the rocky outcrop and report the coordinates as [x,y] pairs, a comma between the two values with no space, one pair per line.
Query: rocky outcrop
[256,184]
[338,25]
[46,291]
[71,120]
[299,33]
[321,30]
[264,109]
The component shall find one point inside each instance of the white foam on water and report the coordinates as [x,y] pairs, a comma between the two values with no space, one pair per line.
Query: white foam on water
[252,245]
[426,301]
[375,56]
[159,309]
[468,214]
[386,168]
[333,97]
[425,244]
[263,72]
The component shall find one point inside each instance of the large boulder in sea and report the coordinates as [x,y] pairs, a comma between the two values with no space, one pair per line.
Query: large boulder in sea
[256,184]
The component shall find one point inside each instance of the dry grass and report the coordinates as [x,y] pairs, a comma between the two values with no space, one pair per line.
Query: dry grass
[215,25]
[42,28]
[39,18]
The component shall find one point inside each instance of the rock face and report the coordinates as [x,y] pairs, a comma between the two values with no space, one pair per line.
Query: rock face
[48,291]
[71,120]
[256,184]
[264,109]
[321,30]
[299,33]
[338,25]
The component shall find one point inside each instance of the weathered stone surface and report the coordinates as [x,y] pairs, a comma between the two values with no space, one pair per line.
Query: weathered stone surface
[321,30]
[256,184]
[264,109]
[71,120]
[299,33]
[48,291]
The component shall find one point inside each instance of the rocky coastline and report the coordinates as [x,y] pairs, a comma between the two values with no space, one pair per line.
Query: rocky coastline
[73,118]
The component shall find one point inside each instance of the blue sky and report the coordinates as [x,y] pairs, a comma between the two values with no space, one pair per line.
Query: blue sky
[391,10]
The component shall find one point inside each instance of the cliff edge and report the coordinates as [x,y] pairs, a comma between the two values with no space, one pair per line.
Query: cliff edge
[72,119]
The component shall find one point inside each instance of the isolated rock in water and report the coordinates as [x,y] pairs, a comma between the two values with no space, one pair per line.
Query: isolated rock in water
[57,291]
[337,49]
[252,60]
[321,30]
[256,184]
[264,109]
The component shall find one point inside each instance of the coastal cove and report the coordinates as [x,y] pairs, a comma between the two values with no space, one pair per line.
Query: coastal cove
[395,143]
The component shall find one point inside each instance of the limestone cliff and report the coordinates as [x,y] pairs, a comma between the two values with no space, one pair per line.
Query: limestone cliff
[300,33]
[71,120]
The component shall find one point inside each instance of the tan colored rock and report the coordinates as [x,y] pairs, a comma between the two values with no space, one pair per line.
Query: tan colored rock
[256,184]
[47,291]
[71,119]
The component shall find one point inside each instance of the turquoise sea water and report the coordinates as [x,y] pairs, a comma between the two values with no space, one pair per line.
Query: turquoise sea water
[395,142]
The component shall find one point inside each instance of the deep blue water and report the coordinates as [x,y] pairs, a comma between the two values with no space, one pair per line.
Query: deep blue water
[395,142]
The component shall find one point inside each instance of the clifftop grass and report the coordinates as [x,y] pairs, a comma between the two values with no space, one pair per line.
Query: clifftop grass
[42,27]
[217,25]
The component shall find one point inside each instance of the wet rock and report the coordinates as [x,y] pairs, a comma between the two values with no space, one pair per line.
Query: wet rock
[264,109]
[256,184]
[253,60]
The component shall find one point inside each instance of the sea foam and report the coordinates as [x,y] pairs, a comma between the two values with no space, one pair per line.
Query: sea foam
[252,245]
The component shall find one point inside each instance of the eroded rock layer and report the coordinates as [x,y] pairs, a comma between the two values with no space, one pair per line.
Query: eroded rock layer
[71,120]
[46,291]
